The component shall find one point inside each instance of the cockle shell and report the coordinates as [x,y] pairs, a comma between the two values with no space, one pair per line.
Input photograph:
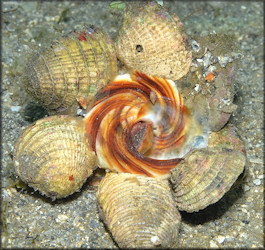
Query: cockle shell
[212,100]
[53,156]
[139,124]
[71,70]
[153,41]
[139,210]
[205,175]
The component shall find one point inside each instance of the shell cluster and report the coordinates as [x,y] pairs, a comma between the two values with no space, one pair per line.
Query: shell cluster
[150,133]
[71,70]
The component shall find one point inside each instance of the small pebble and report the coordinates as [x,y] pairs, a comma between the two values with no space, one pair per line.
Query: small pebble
[154,239]
[213,244]
[61,218]
[246,188]
[15,108]
[220,239]
[257,182]
[197,87]
[229,238]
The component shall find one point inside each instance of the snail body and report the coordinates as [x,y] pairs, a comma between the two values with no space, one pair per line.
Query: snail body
[71,70]
[147,107]
[53,156]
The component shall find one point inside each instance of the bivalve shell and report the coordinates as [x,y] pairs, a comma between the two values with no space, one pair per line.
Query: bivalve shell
[153,41]
[139,210]
[71,70]
[204,176]
[53,156]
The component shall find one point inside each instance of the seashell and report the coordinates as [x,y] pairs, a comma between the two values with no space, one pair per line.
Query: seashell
[153,41]
[53,156]
[205,175]
[212,100]
[211,103]
[221,103]
[139,124]
[138,210]
[71,70]
[226,138]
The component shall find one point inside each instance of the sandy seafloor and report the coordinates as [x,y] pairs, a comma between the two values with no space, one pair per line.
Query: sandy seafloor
[31,221]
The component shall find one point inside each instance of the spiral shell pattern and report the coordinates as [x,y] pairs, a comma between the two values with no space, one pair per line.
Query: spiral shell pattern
[139,125]
[71,70]
[139,210]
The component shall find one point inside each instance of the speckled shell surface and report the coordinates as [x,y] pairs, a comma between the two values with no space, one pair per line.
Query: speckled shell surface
[53,156]
[139,210]
[153,41]
[211,101]
[70,68]
[204,176]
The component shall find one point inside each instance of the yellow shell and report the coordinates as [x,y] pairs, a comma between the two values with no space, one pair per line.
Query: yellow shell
[53,156]
[153,42]
[139,210]
[71,70]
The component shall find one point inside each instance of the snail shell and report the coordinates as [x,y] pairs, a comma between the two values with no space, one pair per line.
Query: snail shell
[53,156]
[139,124]
[138,210]
[204,176]
[153,41]
[71,70]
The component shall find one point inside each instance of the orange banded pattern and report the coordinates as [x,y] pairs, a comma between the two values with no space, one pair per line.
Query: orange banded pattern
[138,106]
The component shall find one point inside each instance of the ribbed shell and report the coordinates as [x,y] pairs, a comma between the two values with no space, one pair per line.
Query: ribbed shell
[53,156]
[204,176]
[139,210]
[153,41]
[71,69]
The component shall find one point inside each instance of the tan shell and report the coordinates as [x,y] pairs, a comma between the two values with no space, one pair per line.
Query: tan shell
[53,156]
[139,210]
[204,176]
[71,70]
[153,41]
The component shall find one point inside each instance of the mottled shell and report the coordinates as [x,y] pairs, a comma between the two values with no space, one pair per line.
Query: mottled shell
[212,100]
[71,70]
[153,41]
[53,156]
[211,103]
[221,103]
[138,210]
[204,176]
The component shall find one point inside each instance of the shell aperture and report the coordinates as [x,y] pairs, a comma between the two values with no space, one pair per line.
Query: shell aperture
[139,124]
